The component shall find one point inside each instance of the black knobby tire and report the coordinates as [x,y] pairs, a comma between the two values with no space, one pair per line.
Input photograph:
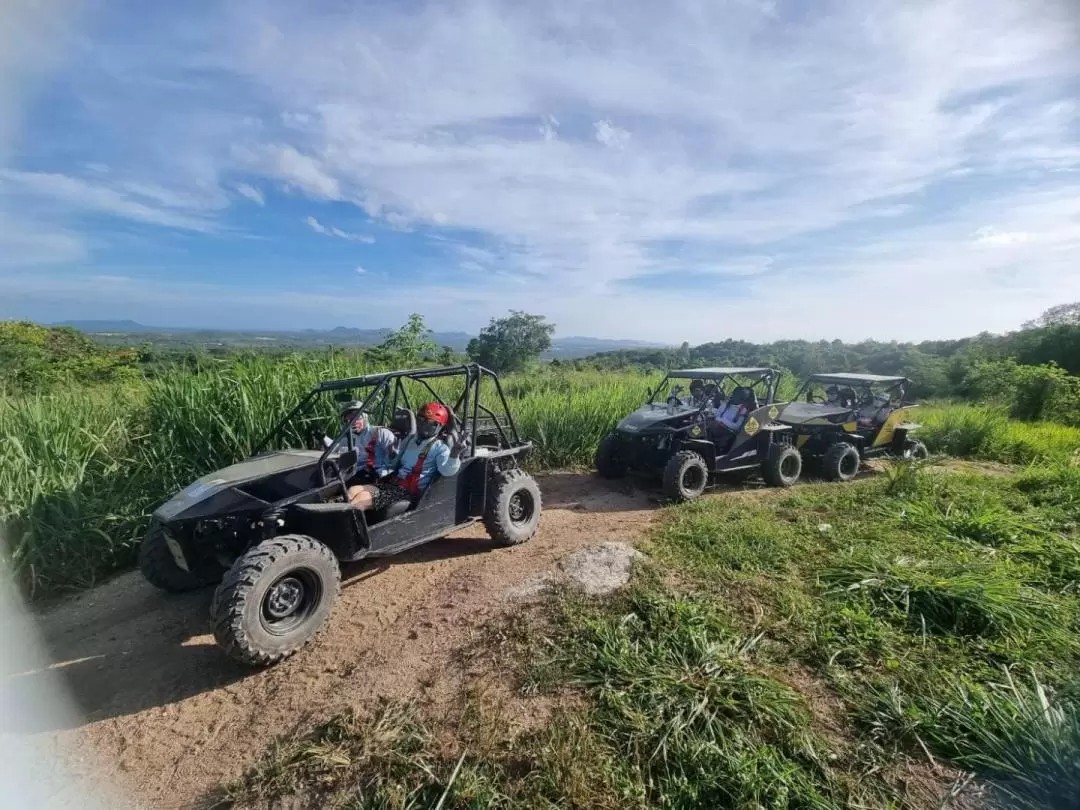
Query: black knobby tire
[685,476]
[841,462]
[275,598]
[161,570]
[513,508]
[783,466]
[607,459]
[914,450]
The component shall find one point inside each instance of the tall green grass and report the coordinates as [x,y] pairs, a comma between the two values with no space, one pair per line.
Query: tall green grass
[81,469]
[973,431]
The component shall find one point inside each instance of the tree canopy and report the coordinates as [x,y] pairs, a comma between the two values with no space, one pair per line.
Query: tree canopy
[509,344]
[411,343]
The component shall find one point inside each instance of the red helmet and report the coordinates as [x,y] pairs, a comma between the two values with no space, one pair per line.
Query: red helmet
[436,412]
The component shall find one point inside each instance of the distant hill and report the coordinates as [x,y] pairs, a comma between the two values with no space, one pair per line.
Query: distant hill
[132,332]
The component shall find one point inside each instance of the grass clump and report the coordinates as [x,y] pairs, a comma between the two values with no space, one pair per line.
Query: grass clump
[986,432]
[1020,739]
[683,699]
[972,599]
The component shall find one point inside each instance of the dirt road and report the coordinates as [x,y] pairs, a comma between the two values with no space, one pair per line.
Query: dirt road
[162,716]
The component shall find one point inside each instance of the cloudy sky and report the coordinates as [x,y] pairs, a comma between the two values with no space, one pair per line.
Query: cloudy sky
[669,171]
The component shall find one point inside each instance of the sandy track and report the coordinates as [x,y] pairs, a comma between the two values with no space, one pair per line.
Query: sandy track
[164,717]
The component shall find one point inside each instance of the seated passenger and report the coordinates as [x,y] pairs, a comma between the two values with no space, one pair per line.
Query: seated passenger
[874,411]
[697,388]
[729,419]
[374,445]
[416,463]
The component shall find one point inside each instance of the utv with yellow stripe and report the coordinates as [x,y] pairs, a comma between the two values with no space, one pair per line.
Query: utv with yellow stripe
[726,423]
[838,420]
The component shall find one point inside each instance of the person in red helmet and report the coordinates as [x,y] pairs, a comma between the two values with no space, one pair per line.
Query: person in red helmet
[416,462]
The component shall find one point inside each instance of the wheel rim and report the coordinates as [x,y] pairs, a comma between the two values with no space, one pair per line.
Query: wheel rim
[521,507]
[693,478]
[789,466]
[849,464]
[290,601]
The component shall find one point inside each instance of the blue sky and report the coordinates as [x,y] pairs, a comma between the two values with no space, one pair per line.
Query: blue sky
[755,169]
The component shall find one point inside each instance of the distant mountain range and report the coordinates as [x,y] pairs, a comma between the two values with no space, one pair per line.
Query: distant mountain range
[134,332]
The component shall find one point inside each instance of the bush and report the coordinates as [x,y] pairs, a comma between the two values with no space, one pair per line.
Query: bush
[1027,392]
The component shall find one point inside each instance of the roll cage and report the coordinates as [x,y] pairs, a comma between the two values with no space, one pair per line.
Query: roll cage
[865,385]
[383,393]
[764,381]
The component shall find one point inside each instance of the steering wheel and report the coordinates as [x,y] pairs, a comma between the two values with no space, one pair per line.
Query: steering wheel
[812,397]
[329,467]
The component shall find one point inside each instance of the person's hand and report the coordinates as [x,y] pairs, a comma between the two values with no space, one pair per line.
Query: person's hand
[459,444]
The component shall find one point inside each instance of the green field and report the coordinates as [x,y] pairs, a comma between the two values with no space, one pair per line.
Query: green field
[81,468]
[890,643]
[878,644]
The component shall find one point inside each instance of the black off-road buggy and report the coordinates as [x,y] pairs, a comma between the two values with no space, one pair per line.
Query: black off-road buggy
[680,438]
[274,528]
[840,419]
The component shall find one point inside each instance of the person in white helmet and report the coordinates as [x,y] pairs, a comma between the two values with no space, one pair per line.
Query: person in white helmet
[375,446]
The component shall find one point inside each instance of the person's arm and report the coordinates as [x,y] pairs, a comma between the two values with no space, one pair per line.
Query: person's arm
[384,452]
[446,463]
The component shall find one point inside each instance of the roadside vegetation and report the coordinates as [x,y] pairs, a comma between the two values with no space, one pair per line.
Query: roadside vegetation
[907,640]
[904,641]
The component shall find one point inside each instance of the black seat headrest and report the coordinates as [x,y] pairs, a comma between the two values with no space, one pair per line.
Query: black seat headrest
[403,422]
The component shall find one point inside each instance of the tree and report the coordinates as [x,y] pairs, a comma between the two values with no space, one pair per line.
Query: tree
[410,343]
[508,344]
[1060,315]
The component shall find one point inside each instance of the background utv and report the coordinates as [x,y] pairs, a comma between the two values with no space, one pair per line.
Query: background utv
[675,437]
[840,419]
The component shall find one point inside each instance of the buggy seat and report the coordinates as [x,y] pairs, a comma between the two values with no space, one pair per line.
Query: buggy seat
[740,405]
[403,423]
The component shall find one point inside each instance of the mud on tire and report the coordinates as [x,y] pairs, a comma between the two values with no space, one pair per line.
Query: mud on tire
[685,476]
[783,466]
[841,462]
[512,515]
[277,596]
[159,567]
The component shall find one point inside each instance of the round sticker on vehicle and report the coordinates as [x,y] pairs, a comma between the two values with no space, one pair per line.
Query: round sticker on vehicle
[752,426]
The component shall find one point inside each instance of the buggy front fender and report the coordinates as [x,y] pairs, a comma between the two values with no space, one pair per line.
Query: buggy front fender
[705,449]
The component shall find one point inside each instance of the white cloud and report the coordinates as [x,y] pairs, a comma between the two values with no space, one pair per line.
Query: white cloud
[610,135]
[252,193]
[359,270]
[591,149]
[988,235]
[330,230]
[304,172]
[140,202]
[27,244]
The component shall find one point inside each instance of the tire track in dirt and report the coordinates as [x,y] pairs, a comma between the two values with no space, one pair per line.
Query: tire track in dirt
[164,717]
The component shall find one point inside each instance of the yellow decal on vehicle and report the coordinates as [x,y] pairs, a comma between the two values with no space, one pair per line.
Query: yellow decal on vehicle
[851,427]
[774,412]
[751,426]
[888,429]
[801,440]
[696,430]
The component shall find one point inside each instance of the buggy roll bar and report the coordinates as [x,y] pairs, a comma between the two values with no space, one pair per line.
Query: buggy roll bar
[772,383]
[467,408]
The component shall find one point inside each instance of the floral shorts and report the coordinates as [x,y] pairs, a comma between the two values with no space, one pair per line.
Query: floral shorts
[389,491]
